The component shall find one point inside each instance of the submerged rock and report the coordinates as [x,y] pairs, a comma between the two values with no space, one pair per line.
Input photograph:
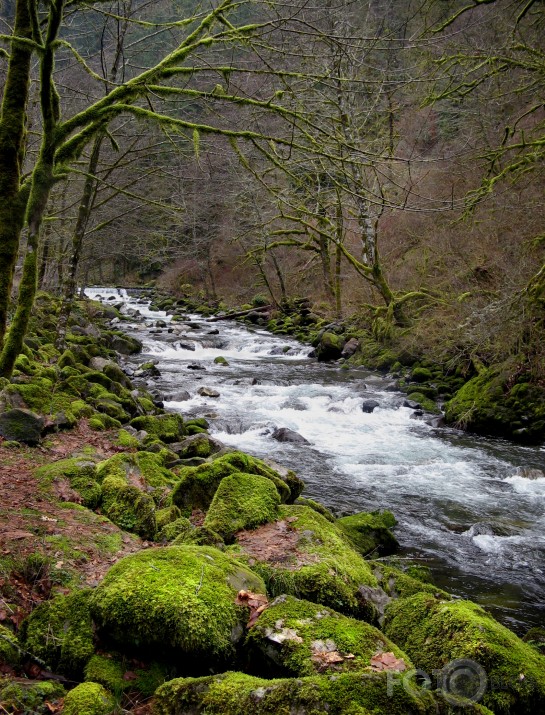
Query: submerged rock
[369,405]
[283,434]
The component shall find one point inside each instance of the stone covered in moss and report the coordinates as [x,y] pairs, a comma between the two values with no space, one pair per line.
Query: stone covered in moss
[177,598]
[294,637]
[316,561]
[370,532]
[242,501]
[434,633]
[320,508]
[343,694]
[199,536]
[180,530]
[9,647]
[167,428]
[102,422]
[197,485]
[21,425]
[30,696]
[147,468]
[128,506]
[167,515]
[89,699]
[81,474]
[60,633]
[107,671]
[398,583]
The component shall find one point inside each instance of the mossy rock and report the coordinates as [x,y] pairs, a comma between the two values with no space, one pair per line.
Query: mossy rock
[421,374]
[319,564]
[148,467]
[81,474]
[128,507]
[107,671]
[9,647]
[167,515]
[101,422]
[403,582]
[167,428]
[89,699]
[434,633]
[297,638]
[197,485]
[32,697]
[366,693]
[179,530]
[370,532]
[199,536]
[21,425]
[330,347]
[424,402]
[176,598]
[242,501]
[60,633]
[320,508]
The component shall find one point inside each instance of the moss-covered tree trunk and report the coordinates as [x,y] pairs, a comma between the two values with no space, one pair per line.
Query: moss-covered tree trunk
[12,150]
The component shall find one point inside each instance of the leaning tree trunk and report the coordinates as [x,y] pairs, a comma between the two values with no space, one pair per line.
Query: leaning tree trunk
[13,197]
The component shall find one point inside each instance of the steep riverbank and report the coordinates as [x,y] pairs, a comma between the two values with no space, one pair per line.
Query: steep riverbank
[237,539]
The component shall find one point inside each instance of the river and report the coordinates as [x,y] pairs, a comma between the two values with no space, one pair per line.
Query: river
[464,505]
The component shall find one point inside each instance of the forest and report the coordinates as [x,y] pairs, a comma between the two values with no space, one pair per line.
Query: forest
[361,179]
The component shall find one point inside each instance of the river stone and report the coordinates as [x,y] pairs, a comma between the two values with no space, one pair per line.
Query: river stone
[529,473]
[369,405]
[350,348]
[186,346]
[283,434]
[195,366]
[412,404]
[21,425]
[208,392]
[98,363]
[125,344]
[180,396]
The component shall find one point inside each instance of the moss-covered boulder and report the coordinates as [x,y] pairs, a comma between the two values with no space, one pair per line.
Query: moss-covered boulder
[403,582]
[330,346]
[295,638]
[305,555]
[107,671]
[494,403]
[30,696]
[89,699]
[125,344]
[242,501]
[60,633]
[508,673]
[128,506]
[320,508]
[81,474]
[370,693]
[371,532]
[21,425]
[180,530]
[144,469]
[197,485]
[167,428]
[9,647]
[176,599]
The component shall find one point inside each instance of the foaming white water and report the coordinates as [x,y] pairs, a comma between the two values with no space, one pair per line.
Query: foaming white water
[534,488]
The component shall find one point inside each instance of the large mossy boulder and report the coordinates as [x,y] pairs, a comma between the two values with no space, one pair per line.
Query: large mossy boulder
[21,425]
[128,507]
[330,347]
[89,699]
[60,632]
[242,501]
[304,554]
[176,600]
[508,673]
[80,473]
[167,428]
[293,637]
[197,485]
[491,404]
[371,532]
[145,469]
[369,693]
[125,344]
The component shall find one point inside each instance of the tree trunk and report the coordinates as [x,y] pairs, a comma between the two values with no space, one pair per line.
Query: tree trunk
[13,197]
[280,276]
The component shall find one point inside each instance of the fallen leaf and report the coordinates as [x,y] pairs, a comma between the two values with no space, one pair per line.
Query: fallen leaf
[387,661]
[129,675]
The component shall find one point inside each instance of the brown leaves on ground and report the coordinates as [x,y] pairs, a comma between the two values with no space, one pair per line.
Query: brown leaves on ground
[256,602]
[387,661]
[276,544]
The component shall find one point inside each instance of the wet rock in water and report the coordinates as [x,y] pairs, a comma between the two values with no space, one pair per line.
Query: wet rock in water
[179,396]
[350,348]
[197,445]
[283,434]
[147,369]
[221,361]
[436,422]
[125,344]
[330,347]
[184,345]
[160,324]
[215,331]
[412,404]
[417,414]
[194,326]
[529,473]
[480,529]
[21,425]
[369,405]
[208,392]
[195,366]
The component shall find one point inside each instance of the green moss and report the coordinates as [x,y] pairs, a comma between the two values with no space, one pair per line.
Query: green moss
[425,402]
[293,637]
[397,583]
[146,466]
[370,532]
[80,409]
[177,597]
[242,501]
[9,647]
[81,474]
[103,422]
[89,699]
[421,374]
[434,633]
[168,428]
[167,515]
[30,697]
[128,507]
[200,536]
[239,694]
[320,508]
[60,632]
[197,485]
[180,528]
[323,567]
[107,672]
[127,440]
[221,361]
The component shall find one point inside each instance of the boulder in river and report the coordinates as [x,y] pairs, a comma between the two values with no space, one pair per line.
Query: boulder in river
[529,473]
[350,348]
[208,392]
[369,405]
[185,345]
[371,532]
[330,347]
[283,434]
[195,366]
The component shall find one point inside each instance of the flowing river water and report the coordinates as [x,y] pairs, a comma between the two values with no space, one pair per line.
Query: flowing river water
[467,506]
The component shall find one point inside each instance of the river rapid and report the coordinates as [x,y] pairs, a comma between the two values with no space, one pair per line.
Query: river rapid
[467,506]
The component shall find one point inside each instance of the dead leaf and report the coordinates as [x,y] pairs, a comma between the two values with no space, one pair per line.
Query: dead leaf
[256,602]
[129,675]
[387,661]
